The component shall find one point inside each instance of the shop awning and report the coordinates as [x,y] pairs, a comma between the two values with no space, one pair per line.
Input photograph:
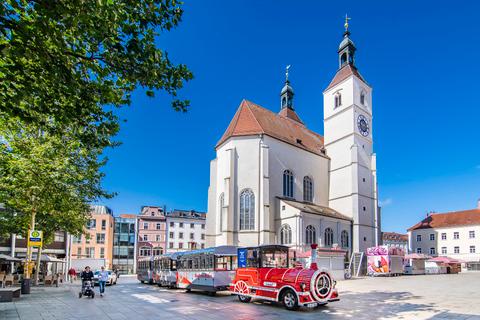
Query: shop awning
[9,258]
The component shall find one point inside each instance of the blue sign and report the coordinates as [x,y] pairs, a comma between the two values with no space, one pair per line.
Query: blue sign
[242,258]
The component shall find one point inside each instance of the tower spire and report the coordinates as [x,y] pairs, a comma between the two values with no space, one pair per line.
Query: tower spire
[347,49]
[286,96]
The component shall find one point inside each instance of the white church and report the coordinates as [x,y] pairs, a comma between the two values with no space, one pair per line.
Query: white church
[274,181]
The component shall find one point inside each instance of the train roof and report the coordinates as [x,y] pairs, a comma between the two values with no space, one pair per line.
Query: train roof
[265,245]
[220,250]
[172,256]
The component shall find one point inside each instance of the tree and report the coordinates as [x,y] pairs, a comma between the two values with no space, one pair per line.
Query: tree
[66,64]
[48,179]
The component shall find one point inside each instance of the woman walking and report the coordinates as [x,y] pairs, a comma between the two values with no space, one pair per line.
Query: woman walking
[102,279]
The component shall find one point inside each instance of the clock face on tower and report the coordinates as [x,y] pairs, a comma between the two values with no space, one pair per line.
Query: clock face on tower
[362,123]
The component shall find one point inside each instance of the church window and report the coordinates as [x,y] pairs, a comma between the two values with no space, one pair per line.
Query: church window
[307,189]
[222,204]
[362,98]
[288,184]
[338,100]
[310,235]
[247,210]
[344,239]
[286,234]
[328,237]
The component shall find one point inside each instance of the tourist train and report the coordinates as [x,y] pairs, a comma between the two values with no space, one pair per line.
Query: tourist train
[269,272]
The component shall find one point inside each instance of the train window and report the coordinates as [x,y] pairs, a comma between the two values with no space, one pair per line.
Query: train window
[234,262]
[275,257]
[189,264]
[202,263]
[174,265]
[196,262]
[253,258]
[210,262]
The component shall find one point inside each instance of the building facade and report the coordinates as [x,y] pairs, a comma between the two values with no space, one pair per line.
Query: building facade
[395,239]
[151,228]
[185,230]
[97,243]
[124,244]
[453,234]
[275,181]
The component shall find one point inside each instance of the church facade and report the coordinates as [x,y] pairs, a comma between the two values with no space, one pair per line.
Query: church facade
[274,181]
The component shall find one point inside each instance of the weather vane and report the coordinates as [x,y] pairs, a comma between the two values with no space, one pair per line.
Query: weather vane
[287,71]
[346,22]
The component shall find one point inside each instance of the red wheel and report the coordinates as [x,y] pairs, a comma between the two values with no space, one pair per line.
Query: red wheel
[242,287]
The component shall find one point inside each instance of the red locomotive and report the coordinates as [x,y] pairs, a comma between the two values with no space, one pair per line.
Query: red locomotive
[269,272]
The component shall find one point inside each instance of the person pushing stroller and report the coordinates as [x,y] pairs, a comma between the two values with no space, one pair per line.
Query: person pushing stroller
[87,278]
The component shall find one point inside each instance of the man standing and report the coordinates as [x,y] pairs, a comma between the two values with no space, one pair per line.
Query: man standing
[102,279]
[72,273]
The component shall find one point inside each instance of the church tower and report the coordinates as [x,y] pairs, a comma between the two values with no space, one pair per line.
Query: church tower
[349,143]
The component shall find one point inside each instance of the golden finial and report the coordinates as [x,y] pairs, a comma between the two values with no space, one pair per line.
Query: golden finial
[287,71]
[346,22]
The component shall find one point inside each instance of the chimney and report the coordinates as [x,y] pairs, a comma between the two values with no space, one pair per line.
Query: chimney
[313,265]
[426,214]
[478,204]
[432,213]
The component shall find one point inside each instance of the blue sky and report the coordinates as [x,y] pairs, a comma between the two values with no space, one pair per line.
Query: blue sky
[420,57]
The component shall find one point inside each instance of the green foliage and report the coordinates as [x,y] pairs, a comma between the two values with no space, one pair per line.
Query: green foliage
[50,177]
[68,60]
[64,68]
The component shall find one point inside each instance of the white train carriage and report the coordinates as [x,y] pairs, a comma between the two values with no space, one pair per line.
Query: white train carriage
[145,269]
[165,270]
[210,270]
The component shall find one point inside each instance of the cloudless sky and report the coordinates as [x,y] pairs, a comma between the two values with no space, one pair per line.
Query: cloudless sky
[420,57]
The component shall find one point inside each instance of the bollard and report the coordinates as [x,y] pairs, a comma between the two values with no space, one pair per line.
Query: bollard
[57,281]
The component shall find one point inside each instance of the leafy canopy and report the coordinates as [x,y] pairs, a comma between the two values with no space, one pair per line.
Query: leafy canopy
[69,59]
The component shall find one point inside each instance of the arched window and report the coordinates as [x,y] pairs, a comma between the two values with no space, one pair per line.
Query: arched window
[344,239]
[247,210]
[288,183]
[307,189]
[310,235]
[222,204]
[157,251]
[328,237]
[286,234]
[362,98]
[338,100]
[145,251]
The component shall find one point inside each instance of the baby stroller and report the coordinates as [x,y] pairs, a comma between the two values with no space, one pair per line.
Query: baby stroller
[87,290]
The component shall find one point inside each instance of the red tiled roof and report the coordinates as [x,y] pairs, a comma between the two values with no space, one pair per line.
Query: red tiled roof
[395,236]
[124,215]
[290,114]
[343,74]
[449,219]
[252,119]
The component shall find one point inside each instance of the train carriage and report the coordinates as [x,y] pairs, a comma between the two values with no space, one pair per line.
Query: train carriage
[165,269]
[210,270]
[269,272]
[145,269]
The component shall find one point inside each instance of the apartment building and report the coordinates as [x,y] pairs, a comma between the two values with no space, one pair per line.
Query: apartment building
[124,250]
[454,234]
[151,227]
[98,242]
[395,239]
[186,230]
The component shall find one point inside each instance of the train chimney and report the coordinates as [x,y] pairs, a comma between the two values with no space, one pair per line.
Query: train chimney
[313,264]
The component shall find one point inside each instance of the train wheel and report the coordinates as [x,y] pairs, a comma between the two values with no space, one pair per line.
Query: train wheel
[290,301]
[211,294]
[244,299]
[142,281]
[188,290]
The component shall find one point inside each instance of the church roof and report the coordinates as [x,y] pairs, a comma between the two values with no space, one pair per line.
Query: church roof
[343,74]
[308,207]
[252,119]
[449,219]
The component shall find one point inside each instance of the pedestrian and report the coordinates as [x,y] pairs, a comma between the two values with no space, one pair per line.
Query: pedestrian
[72,273]
[102,279]
[87,275]
[117,273]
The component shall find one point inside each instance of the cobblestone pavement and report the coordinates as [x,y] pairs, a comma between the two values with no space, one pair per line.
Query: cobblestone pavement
[406,297]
